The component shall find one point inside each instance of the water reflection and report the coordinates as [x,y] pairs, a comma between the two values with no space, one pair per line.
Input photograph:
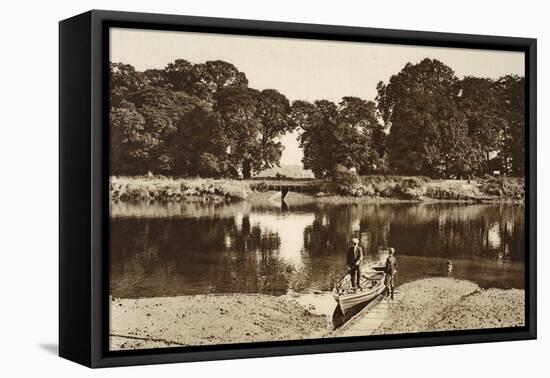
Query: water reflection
[160,249]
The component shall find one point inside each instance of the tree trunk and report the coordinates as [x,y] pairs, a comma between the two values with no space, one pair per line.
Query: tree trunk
[247,169]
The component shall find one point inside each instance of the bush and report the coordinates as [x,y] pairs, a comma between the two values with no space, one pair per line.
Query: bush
[396,186]
[509,188]
[348,182]
[259,186]
[410,188]
[145,188]
[345,177]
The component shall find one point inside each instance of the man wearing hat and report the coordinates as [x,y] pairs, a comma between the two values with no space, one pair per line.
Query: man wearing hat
[354,259]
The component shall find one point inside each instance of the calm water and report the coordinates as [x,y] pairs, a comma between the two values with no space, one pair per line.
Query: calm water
[177,249]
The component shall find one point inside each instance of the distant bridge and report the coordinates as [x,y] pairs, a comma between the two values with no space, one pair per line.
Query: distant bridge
[302,186]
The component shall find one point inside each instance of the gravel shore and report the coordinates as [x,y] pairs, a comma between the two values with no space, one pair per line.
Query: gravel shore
[211,319]
[428,305]
[446,304]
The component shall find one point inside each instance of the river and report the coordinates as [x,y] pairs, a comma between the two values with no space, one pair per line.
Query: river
[173,249]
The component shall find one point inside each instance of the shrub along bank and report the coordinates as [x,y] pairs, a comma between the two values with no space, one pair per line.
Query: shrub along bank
[345,183]
[348,183]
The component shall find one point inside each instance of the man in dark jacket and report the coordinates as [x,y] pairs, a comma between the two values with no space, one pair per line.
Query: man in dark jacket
[354,259]
[391,269]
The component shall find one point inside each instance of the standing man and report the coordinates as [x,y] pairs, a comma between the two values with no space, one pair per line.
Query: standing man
[391,269]
[354,259]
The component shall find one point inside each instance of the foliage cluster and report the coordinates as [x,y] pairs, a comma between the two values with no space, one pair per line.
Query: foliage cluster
[204,120]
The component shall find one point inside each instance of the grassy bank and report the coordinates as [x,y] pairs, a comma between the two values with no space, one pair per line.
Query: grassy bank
[421,188]
[373,188]
[140,188]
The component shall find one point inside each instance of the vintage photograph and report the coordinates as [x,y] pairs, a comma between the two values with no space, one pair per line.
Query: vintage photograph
[272,189]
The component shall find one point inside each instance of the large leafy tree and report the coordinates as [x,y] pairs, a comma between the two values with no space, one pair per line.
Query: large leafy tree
[195,119]
[123,79]
[199,145]
[203,80]
[252,122]
[165,113]
[217,75]
[237,108]
[275,120]
[130,146]
[512,155]
[345,134]
[428,132]
[317,121]
[494,110]
[481,103]
[362,136]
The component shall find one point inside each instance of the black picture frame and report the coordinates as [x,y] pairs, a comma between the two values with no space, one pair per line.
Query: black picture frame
[83,181]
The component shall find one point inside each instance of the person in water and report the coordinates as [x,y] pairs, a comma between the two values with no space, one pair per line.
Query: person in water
[354,259]
[449,266]
[391,270]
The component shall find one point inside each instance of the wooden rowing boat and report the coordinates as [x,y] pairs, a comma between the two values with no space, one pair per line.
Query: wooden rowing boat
[372,285]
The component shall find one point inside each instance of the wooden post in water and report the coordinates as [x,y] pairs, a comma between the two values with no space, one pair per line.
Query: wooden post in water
[284,192]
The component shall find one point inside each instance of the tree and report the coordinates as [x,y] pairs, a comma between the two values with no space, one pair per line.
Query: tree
[481,103]
[164,113]
[494,110]
[317,138]
[155,78]
[123,79]
[362,137]
[252,122]
[343,134]
[180,76]
[512,90]
[237,109]
[273,112]
[199,146]
[217,75]
[203,80]
[130,146]
[428,132]
[173,127]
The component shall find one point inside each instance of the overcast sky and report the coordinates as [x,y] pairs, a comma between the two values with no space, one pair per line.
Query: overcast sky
[303,69]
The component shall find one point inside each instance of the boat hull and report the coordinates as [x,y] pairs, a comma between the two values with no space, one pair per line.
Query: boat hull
[347,301]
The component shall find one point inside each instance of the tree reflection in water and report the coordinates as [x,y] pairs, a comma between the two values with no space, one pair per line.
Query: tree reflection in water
[161,250]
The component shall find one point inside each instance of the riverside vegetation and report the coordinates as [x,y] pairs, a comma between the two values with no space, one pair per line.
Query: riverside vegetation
[346,184]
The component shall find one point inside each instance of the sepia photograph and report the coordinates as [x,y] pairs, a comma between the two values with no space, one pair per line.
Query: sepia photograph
[272,189]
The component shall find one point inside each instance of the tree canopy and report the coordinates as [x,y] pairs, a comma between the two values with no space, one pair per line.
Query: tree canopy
[203,119]
[194,119]
[346,134]
[442,126]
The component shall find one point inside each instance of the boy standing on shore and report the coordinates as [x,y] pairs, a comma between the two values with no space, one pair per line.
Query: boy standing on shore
[391,270]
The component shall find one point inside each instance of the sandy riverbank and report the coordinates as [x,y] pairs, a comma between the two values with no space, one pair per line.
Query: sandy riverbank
[446,304]
[432,304]
[211,319]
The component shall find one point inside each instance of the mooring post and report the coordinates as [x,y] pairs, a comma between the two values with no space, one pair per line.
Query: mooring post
[284,192]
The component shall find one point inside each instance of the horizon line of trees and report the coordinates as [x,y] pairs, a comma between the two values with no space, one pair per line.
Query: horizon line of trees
[204,120]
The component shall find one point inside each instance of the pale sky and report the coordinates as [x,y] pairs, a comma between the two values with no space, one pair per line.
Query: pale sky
[303,69]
